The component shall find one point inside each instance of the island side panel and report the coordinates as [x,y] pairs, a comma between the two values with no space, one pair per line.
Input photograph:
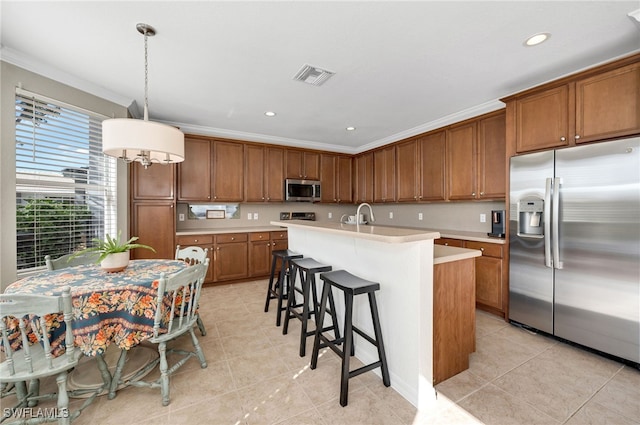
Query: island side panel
[405,274]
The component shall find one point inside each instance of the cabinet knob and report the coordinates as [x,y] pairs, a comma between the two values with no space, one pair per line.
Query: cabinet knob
[577,136]
[268,198]
[260,236]
[415,197]
[481,193]
[446,244]
[473,194]
[482,249]
[195,240]
[209,197]
[233,239]
[562,139]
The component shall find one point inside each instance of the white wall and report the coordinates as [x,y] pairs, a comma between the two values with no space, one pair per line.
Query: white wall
[11,77]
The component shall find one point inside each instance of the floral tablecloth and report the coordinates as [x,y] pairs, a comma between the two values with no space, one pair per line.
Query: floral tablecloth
[107,307]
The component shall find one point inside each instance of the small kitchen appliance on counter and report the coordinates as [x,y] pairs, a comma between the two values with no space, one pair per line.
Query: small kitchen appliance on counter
[497,224]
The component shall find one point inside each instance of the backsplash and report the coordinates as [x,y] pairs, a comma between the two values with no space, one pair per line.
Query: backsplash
[463,216]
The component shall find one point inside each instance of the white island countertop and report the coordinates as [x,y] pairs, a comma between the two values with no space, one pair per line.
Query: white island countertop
[364,231]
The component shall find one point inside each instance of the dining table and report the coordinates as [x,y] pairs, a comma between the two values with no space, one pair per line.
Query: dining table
[113,313]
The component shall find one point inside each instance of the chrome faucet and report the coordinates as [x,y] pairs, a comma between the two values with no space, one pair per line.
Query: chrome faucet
[370,211]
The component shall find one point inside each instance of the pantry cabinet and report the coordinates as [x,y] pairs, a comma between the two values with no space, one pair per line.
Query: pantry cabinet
[597,104]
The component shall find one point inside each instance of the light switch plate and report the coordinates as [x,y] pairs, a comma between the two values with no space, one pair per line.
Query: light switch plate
[255,216]
[181,217]
[329,215]
[249,216]
[419,216]
[390,214]
[483,218]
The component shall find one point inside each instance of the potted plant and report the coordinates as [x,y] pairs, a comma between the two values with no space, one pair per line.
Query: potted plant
[114,255]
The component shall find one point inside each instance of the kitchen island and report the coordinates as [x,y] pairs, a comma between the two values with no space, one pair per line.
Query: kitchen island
[402,261]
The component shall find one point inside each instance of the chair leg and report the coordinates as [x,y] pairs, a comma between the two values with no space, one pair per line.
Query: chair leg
[196,346]
[281,291]
[200,323]
[348,345]
[379,344]
[104,371]
[117,374]
[63,400]
[316,340]
[34,390]
[270,288]
[291,298]
[306,289]
[164,373]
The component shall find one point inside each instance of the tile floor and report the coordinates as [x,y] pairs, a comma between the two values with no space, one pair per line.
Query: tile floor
[255,376]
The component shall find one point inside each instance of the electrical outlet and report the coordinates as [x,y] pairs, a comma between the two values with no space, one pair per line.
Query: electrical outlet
[390,214]
[249,216]
[483,218]
[419,216]
[255,216]
[181,217]
[329,215]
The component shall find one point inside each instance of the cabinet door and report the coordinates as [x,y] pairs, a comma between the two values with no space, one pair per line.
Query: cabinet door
[294,164]
[328,178]
[259,254]
[311,166]
[608,105]
[194,181]
[230,261]
[344,182]
[154,223]
[408,171]
[461,161]
[254,173]
[489,281]
[542,120]
[156,182]
[492,157]
[364,178]
[432,148]
[228,161]
[384,166]
[274,174]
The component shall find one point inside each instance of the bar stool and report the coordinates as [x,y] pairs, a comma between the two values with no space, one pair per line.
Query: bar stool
[351,285]
[276,289]
[307,268]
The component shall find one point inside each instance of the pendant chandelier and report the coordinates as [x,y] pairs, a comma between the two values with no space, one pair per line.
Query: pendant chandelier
[142,140]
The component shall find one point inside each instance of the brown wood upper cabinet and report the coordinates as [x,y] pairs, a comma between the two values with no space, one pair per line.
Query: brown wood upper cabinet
[476,158]
[264,174]
[212,171]
[303,165]
[595,105]
[421,168]
[155,182]
[363,178]
[384,172]
[336,178]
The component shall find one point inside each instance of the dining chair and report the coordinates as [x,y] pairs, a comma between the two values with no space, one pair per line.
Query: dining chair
[67,261]
[175,315]
[38,317]
[193,255]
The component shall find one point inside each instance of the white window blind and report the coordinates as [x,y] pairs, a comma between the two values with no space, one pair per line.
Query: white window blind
[65,185]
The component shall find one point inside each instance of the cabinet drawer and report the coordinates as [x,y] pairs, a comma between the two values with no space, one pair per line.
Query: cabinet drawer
[231,237]
[194,240]
[279,235]
[450,242]
[488,249]
[258,236]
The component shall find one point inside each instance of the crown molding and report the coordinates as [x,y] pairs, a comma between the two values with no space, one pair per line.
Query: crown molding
[21,60]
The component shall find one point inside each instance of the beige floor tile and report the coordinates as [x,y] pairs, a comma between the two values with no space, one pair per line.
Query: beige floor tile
[394,401]
[236,345]
[536,342]
[622,394]
[487,323]
[461,385]
[274,400]
[492,405]
[254,366]
[495,355]
[200,385]
[131,405]
[323,383]
[221,410]
[364,407]
[310,417]
[597,414]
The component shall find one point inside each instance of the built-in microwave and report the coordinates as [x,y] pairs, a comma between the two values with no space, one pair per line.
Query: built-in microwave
[302,190]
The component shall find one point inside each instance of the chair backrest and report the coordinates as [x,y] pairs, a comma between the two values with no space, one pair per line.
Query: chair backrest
[31,311]
[66,260]
[178,297]
[191,254]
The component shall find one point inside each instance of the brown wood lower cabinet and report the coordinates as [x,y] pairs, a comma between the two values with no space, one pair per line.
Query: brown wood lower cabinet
[237,256]
[204,242]
[453,318]
[491,291]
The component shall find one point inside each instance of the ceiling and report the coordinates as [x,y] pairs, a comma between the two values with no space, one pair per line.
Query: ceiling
[401,68]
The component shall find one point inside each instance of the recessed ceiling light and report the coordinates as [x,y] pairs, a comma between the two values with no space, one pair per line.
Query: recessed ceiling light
[270,114]
[350,128]
[536,39]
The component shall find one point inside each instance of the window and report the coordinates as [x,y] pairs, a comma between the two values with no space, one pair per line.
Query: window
[65,185]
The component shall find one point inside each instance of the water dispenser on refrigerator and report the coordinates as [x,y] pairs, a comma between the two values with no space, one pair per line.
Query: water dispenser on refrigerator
[531,218]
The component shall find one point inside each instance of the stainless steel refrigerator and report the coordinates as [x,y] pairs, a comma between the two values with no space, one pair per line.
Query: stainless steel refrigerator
[574,253]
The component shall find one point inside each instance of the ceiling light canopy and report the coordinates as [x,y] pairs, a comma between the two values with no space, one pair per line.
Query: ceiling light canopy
[536,39]
[142,140]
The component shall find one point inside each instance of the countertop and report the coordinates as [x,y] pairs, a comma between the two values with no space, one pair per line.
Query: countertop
[446,254]
[378,233]
[454,234]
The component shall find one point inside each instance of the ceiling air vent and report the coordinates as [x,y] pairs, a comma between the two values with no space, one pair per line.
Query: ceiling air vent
[312,75]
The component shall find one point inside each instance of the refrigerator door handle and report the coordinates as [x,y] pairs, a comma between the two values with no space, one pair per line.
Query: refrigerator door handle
[547,223]
[556,223]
